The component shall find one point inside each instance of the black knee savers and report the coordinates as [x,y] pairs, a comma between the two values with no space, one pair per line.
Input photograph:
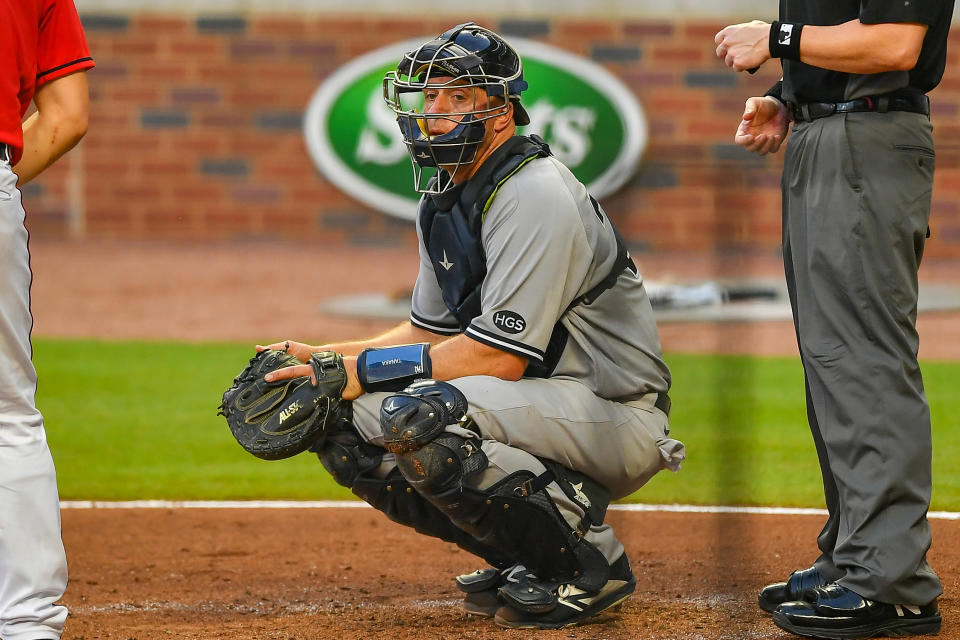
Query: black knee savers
[433,460]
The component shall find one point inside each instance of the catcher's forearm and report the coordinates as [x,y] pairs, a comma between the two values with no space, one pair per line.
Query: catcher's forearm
[463,356]
[404,333]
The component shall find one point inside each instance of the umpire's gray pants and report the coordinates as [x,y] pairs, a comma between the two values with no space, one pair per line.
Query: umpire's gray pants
[856,203]
[620,445]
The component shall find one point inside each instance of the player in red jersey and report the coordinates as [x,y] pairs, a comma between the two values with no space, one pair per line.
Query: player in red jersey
[43,53]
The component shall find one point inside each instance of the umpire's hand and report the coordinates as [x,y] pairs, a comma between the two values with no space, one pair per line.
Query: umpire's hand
[744,47]
[764,125]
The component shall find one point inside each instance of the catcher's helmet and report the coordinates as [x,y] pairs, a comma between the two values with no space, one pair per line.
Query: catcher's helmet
[467,55]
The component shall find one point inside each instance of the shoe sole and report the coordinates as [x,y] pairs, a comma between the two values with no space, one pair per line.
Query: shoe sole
[597,607]
[483,612]
[891,629]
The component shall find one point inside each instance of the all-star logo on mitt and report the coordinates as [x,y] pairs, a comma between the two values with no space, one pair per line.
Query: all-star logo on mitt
[274,420]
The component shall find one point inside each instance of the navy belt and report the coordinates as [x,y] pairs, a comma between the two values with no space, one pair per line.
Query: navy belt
[914,103]
[663,403]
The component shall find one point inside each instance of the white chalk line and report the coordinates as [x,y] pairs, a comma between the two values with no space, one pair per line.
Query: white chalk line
[356,504]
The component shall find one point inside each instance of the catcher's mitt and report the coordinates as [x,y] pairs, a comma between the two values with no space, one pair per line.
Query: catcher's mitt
[275,420]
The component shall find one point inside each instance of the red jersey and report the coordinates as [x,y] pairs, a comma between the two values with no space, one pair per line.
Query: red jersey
[40,41]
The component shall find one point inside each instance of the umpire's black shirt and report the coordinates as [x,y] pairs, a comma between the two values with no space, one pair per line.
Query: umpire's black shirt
[804,83]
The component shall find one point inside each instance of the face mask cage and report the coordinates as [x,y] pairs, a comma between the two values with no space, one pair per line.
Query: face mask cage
[446,67]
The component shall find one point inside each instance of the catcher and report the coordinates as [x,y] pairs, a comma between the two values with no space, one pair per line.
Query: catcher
[527,389]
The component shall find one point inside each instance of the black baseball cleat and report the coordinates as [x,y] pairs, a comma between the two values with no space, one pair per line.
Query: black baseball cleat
[835,612]
[545,605]
[773,595]
[481,588]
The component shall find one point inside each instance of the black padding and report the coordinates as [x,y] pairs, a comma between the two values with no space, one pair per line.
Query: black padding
[442,464]
[529,529]
[593,497]
[411,421]
[346,456]
[419,413]
[451,397]
[395,497]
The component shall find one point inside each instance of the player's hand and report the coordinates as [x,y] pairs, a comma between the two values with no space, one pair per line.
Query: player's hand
[352,391]
[764,125]
[300,350]
[744,46]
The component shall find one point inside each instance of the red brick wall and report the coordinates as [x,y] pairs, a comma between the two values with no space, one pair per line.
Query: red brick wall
[195,133]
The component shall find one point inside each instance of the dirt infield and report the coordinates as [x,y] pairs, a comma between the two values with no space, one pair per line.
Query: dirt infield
[153,574]
[148,574]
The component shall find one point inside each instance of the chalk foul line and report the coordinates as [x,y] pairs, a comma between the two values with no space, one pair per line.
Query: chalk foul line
[356,504]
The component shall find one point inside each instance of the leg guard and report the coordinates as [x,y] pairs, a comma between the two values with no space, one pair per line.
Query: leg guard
[350,460]
[347,457]
[515,515]
[395,497]
[528,527]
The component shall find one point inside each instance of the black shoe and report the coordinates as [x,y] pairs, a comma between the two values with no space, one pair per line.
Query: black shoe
[481,588]
[544,605]
[836,612]
[773,595]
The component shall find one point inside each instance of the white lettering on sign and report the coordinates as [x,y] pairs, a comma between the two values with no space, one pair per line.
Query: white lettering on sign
[566,130]
[380,139]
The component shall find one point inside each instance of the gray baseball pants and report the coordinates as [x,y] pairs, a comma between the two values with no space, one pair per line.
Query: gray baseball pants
[856,203]
[620,445]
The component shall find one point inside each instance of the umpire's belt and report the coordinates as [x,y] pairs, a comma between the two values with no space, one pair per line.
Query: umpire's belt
[659,400]
[913,102]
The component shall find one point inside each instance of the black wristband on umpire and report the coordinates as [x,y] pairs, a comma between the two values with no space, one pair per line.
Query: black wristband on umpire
[393,368]
[776,91]
[785,40]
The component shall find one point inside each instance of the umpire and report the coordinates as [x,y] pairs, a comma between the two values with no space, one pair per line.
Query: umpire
[857,181]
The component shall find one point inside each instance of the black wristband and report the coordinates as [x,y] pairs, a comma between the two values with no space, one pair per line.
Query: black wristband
[785,40]
[776,91]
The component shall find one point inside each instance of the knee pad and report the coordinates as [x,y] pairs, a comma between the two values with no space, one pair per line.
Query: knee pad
[441,465]
[431,459]
[419,413]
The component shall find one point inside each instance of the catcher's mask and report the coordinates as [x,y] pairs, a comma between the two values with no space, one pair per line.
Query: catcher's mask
[465,56]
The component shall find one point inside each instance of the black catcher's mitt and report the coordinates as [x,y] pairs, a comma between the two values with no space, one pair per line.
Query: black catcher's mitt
[275,420]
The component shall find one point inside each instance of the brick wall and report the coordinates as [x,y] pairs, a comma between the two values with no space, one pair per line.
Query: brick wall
[195,132]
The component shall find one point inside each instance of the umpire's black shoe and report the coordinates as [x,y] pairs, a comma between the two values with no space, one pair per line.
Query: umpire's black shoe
[481,588]
[544,605]
[773,595]
[836,612]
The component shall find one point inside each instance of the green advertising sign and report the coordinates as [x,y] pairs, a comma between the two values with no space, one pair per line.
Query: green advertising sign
[592,122]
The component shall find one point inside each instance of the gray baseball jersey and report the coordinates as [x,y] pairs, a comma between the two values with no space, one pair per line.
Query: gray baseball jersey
[546,245]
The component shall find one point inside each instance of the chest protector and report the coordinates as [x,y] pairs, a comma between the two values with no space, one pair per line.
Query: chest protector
[451,221]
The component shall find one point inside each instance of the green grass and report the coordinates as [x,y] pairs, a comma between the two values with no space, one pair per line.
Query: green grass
[137,420]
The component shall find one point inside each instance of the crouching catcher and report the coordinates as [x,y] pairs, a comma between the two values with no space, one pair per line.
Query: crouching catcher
[528,389]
